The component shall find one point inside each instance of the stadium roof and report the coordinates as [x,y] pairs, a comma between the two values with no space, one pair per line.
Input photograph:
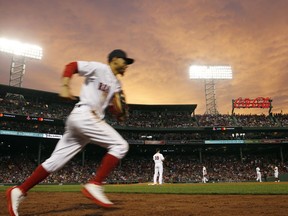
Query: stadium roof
[30,93]
[53,97]
[170,107]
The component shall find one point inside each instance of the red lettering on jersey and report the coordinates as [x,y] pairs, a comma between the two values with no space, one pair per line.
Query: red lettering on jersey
[103,87]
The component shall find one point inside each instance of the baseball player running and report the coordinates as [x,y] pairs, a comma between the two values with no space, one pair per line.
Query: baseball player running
[84,125]
[158,168]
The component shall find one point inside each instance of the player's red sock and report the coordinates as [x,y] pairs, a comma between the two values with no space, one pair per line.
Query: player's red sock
[109,162]
[37,176]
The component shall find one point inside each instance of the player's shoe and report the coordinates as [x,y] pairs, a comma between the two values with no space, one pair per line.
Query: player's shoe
[14,197]
[96,194]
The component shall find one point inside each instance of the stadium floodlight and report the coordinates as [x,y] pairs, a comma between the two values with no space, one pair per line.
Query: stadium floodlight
[20,52]
[21,49]
[209,73]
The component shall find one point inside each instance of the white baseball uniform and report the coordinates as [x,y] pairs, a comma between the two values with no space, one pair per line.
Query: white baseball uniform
[85,124]
[258,174]
[158,168]
[204,174]
[276,174]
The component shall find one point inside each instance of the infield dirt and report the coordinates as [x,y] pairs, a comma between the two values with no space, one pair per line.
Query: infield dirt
[75,204]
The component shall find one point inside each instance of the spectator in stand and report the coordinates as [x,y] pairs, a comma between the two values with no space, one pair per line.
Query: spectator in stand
[265,175]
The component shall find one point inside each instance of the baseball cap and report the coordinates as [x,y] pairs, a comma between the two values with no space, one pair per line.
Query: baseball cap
[120,54]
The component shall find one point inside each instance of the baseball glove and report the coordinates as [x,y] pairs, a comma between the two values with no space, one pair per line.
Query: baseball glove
[118,107]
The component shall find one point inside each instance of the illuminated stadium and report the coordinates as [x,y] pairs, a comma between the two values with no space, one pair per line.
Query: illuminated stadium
[231,147]
[32,124]
[197,126]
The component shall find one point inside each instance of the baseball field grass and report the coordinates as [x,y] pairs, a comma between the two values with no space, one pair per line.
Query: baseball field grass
[249,188]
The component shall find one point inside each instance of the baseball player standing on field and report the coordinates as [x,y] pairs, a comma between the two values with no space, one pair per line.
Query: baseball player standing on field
[204,174]
[84,125]
[276,174]
[158,168]
[258,174]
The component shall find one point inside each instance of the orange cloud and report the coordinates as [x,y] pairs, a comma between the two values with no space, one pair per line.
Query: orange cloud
[164,37]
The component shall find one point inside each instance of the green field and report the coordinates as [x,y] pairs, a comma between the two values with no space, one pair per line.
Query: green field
[269,188]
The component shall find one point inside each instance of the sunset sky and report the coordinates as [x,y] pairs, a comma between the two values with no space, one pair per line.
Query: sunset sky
[165,37]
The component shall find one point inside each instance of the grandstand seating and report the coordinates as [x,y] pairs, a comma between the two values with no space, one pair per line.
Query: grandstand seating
[175,128]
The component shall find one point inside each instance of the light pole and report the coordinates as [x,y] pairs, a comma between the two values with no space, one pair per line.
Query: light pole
[20,53]
[209,74]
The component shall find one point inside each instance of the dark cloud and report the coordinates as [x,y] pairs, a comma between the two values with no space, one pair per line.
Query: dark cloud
[165,37]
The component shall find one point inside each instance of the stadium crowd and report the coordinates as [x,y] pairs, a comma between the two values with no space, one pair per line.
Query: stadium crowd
[136,169]
[178,168]
[184,136]
[155,119]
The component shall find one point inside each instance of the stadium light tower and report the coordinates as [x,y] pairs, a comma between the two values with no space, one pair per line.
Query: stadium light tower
[20,53]
[210,74]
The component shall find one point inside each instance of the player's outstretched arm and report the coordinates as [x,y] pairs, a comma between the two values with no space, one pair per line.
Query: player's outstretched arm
[65,89]
[69,70]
